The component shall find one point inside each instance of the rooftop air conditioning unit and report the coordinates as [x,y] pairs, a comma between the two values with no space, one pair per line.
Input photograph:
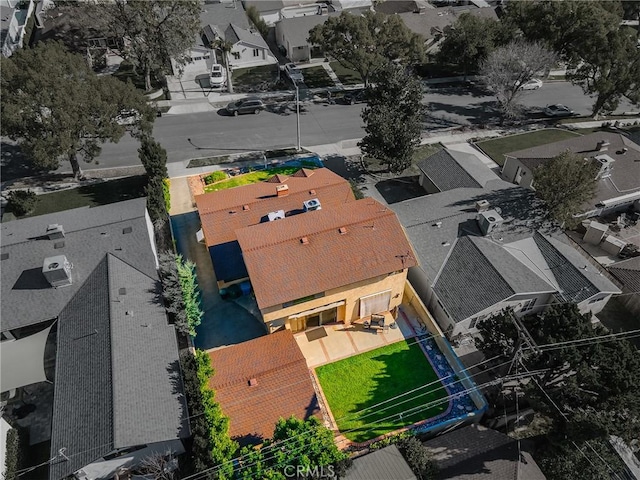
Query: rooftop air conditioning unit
[482,205]
[310,205]
[57,271]
[606,165]
[488,221]
[277,215]
[55,231]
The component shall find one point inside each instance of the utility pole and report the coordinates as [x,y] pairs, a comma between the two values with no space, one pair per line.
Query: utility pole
[297,115]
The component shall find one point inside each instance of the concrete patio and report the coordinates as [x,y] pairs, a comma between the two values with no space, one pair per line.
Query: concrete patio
[342,341]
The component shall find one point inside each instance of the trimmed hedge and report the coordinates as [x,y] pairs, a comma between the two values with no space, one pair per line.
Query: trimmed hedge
[12,456]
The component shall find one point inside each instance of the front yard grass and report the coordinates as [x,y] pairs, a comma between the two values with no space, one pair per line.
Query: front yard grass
[346,75]
[317,77]
[126,73]
[94,195]
[248,77]
[496,148]
[362,381]
[252,177]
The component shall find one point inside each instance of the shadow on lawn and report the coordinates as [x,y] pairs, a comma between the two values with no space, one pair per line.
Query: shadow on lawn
[389,405]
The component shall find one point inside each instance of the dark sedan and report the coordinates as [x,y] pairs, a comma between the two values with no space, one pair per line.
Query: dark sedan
[247,105]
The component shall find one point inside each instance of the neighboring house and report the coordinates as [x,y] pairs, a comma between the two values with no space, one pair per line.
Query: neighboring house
[260,381]
[479,453]
[292,36]
[224,212]
[270,10]
[628,273]
[337,264]
[383,464]
[483,245]
[83,283]
[617,156]
[14,15]
[431,22]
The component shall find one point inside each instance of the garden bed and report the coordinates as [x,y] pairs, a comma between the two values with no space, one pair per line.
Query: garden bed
[353,385]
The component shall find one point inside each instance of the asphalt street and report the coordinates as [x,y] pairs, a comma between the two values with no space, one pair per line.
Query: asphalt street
[189,136]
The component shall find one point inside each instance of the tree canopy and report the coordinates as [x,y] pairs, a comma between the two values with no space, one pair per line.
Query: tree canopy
[367,42]
[56,107]
[393,118]
[469,40]
[507,68]
[565,183]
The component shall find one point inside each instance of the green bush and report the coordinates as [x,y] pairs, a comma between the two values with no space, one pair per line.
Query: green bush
[166,193]
[12,455]
[212,445]
[22,202]
[190,293]
[155,199]
[356,190]
[214,177]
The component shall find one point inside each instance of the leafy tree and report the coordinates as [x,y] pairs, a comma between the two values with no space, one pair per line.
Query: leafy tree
[498,336]
[212,446]
[258,22]
[295,442]
[563,26]
[22,202]
[153,157]
[509,67]
[610,69]
[156,205]
[367,42]
[393,118]
[190,292]
[469,40]
[156,31]
[418,458]
[56,107]
[565,183]
[591,389]
[172,291]
[225,47]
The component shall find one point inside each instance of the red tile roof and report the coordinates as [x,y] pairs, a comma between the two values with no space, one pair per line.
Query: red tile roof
[281,386]
[283,266]
[222,212]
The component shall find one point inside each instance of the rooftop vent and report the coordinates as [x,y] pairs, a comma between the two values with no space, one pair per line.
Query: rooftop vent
[4,256]
[282,190]
[602,146]
[310,205]
[58,245]
[304,241]
[482,205]
[122,291]
[57,271]
[312,192]
[245,207]
[253,382]
[488,221]
[277,215]
[55,231]
[342,230]
[127,230]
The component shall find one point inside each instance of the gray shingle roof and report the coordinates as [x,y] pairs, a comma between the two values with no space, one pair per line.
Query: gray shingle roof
[297,29]
[628,272]
[90,233]
[384,464]
[223,14]
[478,453]
[479,274]
[445,172]
[117,376]
[235,34]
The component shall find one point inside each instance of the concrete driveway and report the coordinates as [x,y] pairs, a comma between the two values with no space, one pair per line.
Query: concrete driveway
[225,322]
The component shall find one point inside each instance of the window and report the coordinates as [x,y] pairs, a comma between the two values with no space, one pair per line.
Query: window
[376,303]
[443,309]
[236,55]
[195,59]
[256,52]
[528,305]
[594,300]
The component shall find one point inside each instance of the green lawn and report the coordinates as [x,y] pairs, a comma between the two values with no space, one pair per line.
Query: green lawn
[126,74]
[346,75]
[498,147]
[252,177]
[359,382]
[91,195]
[244,77]
[317,77]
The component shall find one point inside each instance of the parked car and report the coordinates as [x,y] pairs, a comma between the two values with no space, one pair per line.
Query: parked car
[247,105]
[557,110]
[127,117]
[294,73]
[218,76]
[533,84]
[355,96]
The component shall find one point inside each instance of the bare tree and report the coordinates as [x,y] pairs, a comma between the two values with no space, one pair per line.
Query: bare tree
[159,466]
[508,68]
